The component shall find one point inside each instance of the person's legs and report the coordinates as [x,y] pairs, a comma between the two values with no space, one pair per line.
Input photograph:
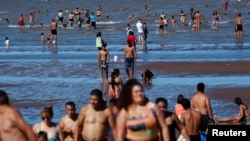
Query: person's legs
[229,119]
[106,71]
[132,72]
[127,71]
[101,73]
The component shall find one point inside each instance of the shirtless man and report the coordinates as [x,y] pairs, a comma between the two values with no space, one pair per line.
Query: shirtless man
[129,58]
[103,60]
[94,118]
[238,26]
[191,120]
[241,117]
[53,29]
[201,103]
[68,122]
[12,125]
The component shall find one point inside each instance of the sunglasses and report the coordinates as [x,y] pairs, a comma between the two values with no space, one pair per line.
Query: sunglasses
[45,117]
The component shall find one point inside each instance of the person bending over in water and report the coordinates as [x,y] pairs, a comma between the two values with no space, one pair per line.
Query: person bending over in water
[130,59]
[147,76]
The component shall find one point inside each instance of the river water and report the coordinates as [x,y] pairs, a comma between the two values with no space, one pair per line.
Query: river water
[37,75]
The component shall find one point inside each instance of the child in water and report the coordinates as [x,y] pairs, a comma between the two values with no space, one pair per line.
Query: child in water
[147,76]
[7,42]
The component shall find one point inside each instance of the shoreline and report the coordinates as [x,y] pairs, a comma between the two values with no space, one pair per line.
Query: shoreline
[196,68]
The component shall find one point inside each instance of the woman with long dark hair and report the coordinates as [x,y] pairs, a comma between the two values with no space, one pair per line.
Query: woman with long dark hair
[138,120]
[114,82]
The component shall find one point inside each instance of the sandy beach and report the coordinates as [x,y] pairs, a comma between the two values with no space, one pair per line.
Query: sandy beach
[200,68]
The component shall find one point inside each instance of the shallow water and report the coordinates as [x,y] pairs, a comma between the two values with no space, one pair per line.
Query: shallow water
[35,74]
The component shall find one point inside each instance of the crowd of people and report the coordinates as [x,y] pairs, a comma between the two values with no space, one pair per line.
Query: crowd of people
[128,115]
[79,17]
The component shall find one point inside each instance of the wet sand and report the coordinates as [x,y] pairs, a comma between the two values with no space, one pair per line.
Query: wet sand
[189,68]
[209,68]
[198,68]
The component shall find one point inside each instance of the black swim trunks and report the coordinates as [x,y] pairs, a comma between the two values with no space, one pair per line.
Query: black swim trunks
[195,137]
[239,27]
[204,122]
[53,32]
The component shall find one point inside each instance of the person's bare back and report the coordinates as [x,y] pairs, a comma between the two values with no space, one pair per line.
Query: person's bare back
[238,20]
[200,103]
[103,54]
[12,125]
[191,120]
[129,52]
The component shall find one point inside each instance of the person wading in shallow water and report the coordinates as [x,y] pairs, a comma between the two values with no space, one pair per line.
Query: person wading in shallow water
[103,61]
[130,59]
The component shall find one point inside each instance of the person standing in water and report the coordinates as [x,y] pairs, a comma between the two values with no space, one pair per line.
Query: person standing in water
[239,26]
[103,60]
[21,22]
[130,59]
[53,29]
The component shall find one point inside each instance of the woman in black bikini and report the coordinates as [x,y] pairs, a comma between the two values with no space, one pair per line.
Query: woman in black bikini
[114,82]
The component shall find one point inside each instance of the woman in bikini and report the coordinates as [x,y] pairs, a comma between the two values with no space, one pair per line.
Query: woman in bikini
[115,83]
[138,120]
[47,125]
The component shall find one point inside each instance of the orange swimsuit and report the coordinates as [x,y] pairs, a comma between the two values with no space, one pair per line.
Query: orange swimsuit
[142,128]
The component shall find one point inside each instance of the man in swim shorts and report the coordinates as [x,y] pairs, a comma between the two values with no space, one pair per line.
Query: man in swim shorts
[12,125]
[201,103]
[93,20]
[53,29]
[239,27]
[130,58]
